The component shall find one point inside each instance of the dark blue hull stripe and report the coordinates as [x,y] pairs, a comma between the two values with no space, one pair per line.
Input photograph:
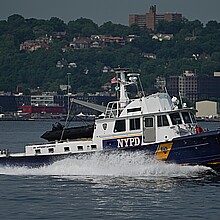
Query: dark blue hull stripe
[195,149]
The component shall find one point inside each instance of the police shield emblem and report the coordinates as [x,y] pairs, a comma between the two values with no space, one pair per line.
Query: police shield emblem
[104,126]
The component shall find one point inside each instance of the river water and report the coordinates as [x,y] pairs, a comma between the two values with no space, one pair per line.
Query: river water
[103,187]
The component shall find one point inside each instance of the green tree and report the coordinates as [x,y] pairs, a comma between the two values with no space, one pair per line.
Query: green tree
[172,27]
[82,26]
[108,28]
[57,24]
[3,27]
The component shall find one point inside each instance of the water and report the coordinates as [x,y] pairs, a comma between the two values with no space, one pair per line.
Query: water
[103,186]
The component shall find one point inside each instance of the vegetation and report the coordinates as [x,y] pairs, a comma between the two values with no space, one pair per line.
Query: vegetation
[194,47]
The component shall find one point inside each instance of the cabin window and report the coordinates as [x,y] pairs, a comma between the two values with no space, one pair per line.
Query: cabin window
[162,121]
[133,110]
[193,117]
[80,147]
[175,118]
[149,122]
[66,149]
[135,124]
[119,125]
[51,150]
[93,146]
[186,117]
[37,151]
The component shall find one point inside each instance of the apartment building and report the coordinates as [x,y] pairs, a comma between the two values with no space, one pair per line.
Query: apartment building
[151,18]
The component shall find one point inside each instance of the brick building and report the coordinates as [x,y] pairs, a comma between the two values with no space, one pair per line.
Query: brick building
[151,18]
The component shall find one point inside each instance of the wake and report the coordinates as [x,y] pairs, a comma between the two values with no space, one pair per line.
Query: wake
[128,164]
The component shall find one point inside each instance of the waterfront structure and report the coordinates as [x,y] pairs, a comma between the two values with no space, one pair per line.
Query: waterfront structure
[185,86]
[194,87]
[208,109]
[45,99]
[208,86]
[52,103]
[28,109]
[188,86]
[150,19]
[7,103]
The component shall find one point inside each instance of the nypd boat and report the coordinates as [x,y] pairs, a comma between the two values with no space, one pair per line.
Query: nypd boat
[154,125]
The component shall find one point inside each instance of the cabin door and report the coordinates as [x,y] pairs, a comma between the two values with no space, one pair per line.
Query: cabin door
[149,131]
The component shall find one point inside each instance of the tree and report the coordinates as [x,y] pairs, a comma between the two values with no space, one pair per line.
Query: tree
[57,24]
[82,26]
[146,44]
[172,27]
[18,27]
[134,29]
[14,21]
[3,27]
[109,28]
[211,27]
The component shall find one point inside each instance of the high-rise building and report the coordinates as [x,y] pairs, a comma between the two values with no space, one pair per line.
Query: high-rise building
[193,87]
[208,86]
[140,20]
[151,18]
[185,86]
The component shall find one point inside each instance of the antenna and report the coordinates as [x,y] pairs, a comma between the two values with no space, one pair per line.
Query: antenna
[68,104]
[181,100]
[142,89]
[137,76]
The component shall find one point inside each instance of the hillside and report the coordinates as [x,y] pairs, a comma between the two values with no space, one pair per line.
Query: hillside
[38,54]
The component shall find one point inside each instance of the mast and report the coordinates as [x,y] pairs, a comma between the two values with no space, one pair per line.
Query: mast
[68,104]
[68,98]
[123,99]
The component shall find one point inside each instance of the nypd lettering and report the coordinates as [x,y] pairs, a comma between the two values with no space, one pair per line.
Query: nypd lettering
[128,142]
[122,142]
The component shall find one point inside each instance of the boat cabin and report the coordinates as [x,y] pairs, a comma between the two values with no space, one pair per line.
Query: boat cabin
[147,120]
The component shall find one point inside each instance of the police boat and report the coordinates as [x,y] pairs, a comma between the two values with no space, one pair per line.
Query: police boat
[154,125]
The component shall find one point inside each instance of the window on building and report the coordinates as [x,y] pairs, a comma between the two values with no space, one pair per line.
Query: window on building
[120,126]
[135,124]
[162,121]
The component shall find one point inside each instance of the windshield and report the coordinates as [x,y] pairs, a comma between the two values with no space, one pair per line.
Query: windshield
[186,117]
[193,117]
[175,118]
